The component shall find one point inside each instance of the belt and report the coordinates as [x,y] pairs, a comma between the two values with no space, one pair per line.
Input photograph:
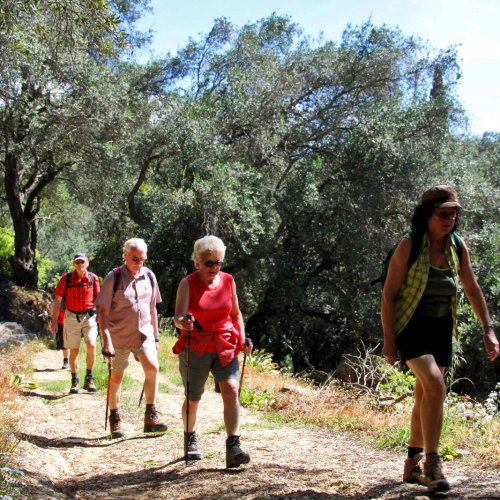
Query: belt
[90,312]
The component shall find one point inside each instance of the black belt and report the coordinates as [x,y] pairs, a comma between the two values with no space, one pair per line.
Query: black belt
[90,312]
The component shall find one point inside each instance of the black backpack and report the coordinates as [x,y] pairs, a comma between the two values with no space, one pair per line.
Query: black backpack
[414,253]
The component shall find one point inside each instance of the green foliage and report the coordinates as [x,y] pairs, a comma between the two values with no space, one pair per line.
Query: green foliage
[305,157]
[6,250]
[262,361]
[396,381]
[260,400]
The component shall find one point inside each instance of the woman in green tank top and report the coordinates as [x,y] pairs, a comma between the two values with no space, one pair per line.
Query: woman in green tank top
[419,318]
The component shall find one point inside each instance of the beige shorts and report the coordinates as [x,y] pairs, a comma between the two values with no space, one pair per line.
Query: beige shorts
[74,330]
[122,354]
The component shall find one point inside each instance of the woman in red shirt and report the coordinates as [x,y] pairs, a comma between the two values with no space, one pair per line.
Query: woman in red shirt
[207,298]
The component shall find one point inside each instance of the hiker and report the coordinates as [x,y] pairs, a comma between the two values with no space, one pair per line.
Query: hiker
[59,335]
[129,324]
[419,316]
[209,296]
[78,290]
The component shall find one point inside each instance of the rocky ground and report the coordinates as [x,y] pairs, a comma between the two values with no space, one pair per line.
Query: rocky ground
[66,454]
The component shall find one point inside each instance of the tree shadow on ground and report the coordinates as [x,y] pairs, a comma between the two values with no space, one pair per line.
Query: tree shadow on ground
[76,441]
[48,397]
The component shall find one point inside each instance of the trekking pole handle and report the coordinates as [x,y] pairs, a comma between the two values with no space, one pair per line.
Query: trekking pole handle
[195,321]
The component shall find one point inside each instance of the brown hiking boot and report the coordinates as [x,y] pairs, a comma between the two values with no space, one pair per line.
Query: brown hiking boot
[434,477]
[75,386]
[413,472]
[115,426]
[89,385]
[152,421]
[235,456]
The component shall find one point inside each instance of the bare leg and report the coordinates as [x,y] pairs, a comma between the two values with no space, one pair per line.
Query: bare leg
[115,382]
[73,360]
[193,412]
[416,435]
[430,376]
[90,355]
[229,392]
[150,367]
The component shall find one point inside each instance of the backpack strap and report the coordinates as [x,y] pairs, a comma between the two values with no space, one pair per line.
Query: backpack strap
[117,274]
[116,278]
[458,244]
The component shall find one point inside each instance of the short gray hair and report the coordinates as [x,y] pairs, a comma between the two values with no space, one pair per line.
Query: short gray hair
[210,243]
[135,244]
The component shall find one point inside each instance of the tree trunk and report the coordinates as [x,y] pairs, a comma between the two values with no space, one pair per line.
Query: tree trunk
[23,261]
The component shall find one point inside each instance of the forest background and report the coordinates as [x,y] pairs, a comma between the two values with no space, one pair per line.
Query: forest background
[305,156]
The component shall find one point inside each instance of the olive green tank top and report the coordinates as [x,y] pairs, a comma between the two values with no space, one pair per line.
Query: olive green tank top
[441,287]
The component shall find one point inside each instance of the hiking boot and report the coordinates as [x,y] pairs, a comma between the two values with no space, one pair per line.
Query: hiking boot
[433,475]
[115,425]
[235,456]
[413,472]
[89,385]
[191,451]
[152,421]
[75,386]
[65,365]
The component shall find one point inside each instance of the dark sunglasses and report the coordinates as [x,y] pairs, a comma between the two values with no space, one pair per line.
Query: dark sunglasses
[137,259]
[213,263]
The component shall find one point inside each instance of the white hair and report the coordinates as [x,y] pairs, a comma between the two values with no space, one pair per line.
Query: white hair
[135,244]
[207,243]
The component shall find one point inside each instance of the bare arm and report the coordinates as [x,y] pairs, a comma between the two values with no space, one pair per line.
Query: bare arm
[55,313]
[182,306]
[237,319]
[106,336]
[478,302]
[398,268]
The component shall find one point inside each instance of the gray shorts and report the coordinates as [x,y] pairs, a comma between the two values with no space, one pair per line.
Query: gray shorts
[122,354]
[201,366]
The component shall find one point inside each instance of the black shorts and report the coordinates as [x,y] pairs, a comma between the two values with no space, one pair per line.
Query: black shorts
[427,335]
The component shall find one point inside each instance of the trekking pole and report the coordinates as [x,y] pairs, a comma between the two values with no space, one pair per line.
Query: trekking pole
[142,394]
[188,361]
[248,341]
[110,364]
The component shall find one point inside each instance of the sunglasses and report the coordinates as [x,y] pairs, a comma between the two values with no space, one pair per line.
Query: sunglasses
[213,263]
[80,261]
[137,259]
[446,214]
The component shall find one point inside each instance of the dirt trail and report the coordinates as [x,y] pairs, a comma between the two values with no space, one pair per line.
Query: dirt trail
[67,455]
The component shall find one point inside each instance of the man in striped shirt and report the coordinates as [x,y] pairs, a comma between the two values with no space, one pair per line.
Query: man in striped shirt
[78,289]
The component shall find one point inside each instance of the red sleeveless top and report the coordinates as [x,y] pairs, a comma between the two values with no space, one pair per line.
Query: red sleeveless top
[211,306]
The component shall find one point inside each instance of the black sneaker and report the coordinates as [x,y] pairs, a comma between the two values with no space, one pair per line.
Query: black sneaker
[89,385]
[235,456]
[191,450]
[75,386]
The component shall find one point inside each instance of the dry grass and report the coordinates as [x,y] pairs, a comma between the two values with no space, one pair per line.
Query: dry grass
[16,363]
[346,408]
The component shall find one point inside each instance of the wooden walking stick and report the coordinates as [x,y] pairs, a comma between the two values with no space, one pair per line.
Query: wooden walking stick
[110,364]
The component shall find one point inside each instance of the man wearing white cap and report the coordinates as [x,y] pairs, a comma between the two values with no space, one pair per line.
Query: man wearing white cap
[78,289]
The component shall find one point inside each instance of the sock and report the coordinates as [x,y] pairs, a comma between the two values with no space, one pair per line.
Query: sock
[89,374]
[113,412]
[150,407]
[65,360]
[430,454]
[74,376]
[413,450]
